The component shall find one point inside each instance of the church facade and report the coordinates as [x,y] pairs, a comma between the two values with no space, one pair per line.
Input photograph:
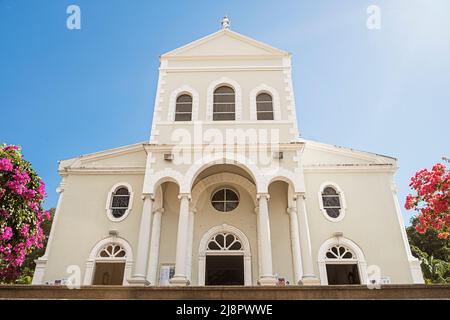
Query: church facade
[225,192]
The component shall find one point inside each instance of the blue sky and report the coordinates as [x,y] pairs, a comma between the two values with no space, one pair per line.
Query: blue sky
[68,92]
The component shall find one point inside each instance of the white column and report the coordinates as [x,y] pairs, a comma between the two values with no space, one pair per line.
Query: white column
[180,278]
[154,246]
[258,240]
[190,242]
[295,244]
[266,277]
[305,243]
[41,262]
[140,277]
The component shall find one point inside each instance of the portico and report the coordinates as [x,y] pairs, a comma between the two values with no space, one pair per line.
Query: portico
[194,209]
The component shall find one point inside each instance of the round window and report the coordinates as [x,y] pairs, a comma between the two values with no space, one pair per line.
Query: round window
[225,200]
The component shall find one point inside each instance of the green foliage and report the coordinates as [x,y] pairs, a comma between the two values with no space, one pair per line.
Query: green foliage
[433,253]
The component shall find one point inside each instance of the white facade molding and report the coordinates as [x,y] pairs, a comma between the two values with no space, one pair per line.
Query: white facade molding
[414,263]
[165,175]
[263,88]
[185,89]
[223,178]
[159,100]
[104,171]
[41,262]
[341,241]
[225,122]
[93,258]
[224,81]
[342,201]
[227,158]
[109,201]
[289,89]
[293,179]
[350,167]
[245,252]
[271,51]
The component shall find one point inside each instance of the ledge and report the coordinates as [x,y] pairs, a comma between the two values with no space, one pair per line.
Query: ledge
[226,292]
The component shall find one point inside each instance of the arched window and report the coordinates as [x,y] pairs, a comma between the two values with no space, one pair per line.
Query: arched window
[331,202]
[224,104]
[119,201]
[183,108]
[264,107]
[224,241]
[339,252]
[112,251]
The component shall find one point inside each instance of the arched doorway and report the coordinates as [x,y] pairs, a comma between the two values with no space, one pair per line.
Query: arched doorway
[224,257]
[109,263]
[341,262]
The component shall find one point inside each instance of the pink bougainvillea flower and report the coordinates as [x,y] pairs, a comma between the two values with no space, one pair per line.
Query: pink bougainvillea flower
[6,164]
[25,229]
[22,192]
[6,234]
[41,189]
[10,147]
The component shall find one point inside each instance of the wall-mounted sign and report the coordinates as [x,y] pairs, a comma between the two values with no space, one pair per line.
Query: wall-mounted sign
[166,272]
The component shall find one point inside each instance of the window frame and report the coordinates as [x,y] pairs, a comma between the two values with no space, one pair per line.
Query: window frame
[183,103]
[342,201]
[276,108]
[109,199]
[224,81]
[225,188]
[272,112]
[184,89]
[224,103]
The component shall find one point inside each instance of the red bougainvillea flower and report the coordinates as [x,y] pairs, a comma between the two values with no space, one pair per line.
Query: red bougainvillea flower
[431,199]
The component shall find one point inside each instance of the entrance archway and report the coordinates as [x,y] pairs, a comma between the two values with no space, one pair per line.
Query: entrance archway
[341,261]
[224,257]
[109,263]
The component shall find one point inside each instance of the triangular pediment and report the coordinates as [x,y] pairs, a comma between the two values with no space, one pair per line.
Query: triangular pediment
[225,43]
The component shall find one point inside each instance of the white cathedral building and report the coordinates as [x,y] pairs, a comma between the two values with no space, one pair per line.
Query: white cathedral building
[225,192]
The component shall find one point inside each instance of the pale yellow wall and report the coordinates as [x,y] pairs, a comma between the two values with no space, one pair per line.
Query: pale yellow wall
[370,220]
[83,222]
